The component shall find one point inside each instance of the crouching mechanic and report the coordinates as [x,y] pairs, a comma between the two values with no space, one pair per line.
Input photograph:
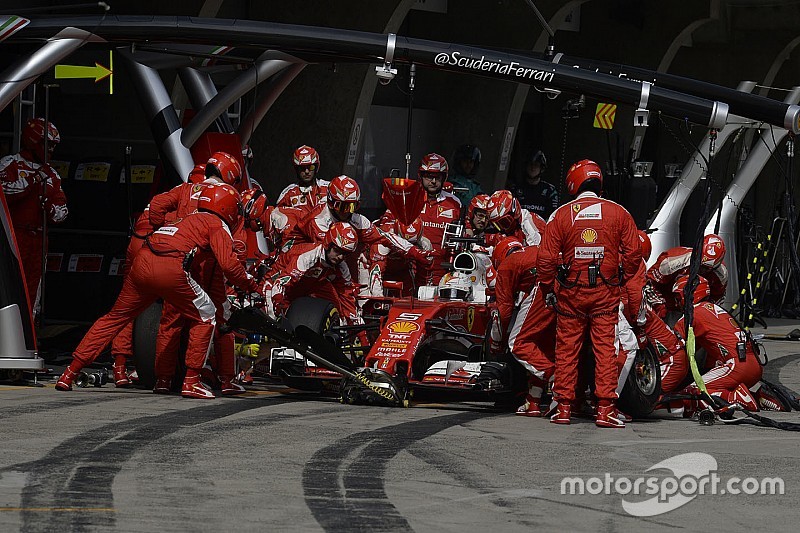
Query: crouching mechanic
[161,269]
[319,270]
[344,197]
[531,338]
[595,237]
[674,263]
[731,366]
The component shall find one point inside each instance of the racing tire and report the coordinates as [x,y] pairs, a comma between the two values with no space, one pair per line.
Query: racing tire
[145,329]
[315,313]
[643,386]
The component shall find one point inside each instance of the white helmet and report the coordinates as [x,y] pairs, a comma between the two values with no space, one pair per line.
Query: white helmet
[455,286]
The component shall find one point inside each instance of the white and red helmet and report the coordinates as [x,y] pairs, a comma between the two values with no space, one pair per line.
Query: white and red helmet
[581,172]
[224,166]
[33,137]
[701,292]
[433,164]
[411,232]
[344,196]
[255,204]
[505,211]
[342,235]
[479,201]
[713,251]
[223,200]
[306,156]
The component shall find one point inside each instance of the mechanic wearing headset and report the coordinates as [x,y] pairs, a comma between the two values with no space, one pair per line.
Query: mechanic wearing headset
[309,191]
[317,269]
[162,269]
[33,188]
[731,364]
[595,237]
[440,208]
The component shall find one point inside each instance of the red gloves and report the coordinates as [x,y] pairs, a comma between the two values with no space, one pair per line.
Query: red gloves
[280,304]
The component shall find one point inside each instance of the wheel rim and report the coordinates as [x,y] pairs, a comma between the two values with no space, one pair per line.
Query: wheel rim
[645,375]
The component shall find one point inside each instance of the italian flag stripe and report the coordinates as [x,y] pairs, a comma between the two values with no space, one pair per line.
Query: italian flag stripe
[11,25]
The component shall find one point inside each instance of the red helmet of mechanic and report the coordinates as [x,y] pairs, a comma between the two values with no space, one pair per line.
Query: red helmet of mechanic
[344,197]
[224,166]
[645,245]
[255,204]
[479,202]
[433,165]
[505,212]
[341,235]
[713,251]
[411,232]
[222,200]
[198,174]
[33,138]
[504,248]
[305,156]
[701,292]
[582,172]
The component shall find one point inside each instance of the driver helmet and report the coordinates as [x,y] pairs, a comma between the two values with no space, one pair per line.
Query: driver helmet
[222,200]
[455,286]
[342,235]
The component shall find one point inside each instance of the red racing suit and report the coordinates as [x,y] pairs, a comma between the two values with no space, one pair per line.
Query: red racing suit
[158,272]
[529,232]
[304,198]
[531,338]
[730,358]
[673,263]
[31,190]
[592,234]
[167,207]
[303,271]
[122,344]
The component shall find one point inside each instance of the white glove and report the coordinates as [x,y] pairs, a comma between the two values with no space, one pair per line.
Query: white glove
[58,213]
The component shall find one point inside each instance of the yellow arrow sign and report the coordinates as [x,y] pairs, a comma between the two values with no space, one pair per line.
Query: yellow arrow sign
[98,72]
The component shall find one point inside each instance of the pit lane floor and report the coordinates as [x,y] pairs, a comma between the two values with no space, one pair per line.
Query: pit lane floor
[106,459]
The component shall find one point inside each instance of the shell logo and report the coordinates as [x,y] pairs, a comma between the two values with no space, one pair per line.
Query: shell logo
[403,326]
[589,235]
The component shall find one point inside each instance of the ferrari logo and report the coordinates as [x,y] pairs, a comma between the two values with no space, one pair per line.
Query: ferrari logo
[576,207]
[589,235]
[470,317]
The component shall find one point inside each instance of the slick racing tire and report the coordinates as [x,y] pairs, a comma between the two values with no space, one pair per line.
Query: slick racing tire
[643,386]
[145,329]
[315,313]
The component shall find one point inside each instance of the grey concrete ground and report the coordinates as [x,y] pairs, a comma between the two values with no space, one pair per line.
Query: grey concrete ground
[104,459]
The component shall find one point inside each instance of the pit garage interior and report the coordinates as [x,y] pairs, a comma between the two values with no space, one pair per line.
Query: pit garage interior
[363,127]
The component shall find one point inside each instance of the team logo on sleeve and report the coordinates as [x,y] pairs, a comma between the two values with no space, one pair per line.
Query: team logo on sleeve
[576,208]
